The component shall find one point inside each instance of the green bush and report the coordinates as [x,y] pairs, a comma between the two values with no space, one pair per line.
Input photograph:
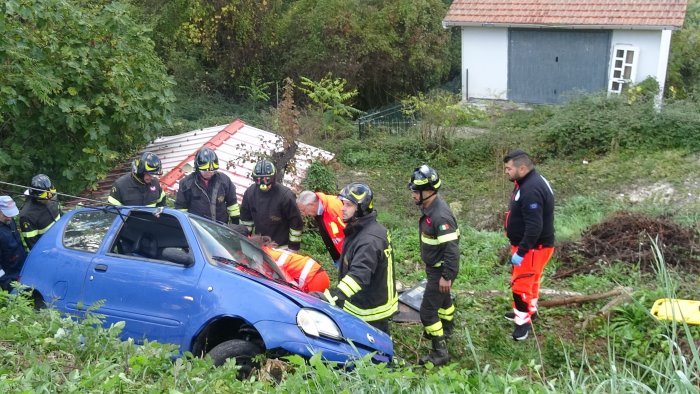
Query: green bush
[677,125]
[320,178]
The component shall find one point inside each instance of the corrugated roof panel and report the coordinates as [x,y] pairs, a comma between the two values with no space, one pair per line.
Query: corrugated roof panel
[237,145]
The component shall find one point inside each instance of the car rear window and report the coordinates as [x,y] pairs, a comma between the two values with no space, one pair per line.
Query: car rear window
[86,230]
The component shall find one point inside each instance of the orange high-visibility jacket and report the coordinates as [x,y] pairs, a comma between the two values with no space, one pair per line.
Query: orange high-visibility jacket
[333,219]
[300,268]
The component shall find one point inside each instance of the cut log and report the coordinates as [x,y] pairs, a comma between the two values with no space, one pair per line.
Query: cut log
[618,291]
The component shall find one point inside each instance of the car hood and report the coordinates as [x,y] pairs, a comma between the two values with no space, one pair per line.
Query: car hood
[351,327]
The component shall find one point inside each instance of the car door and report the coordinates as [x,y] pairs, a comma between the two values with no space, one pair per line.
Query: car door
[152,295]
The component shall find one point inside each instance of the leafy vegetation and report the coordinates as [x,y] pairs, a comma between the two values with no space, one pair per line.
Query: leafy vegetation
[81,86]
[75,73]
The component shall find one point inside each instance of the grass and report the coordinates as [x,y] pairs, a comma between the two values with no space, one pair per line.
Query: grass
[629,352]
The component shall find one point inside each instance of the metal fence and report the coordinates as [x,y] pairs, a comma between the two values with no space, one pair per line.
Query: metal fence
[391,119]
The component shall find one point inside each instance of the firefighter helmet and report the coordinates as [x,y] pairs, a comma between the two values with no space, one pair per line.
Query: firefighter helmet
[206,160]
[148,163]
[264,174]
[42,188]
[360,195]
[424,178]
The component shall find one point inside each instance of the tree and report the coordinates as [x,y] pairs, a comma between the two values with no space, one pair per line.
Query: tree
[684,63]
[384,49]
[81,86]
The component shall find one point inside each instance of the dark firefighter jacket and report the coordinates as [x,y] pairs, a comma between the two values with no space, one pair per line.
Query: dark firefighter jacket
[129,190]
[12,253]
[218,196]
[367,271]
[36,218]
[439,238]
[273,213]
[530,219]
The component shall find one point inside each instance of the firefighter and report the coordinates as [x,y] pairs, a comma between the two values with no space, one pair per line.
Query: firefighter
[305,271]
[40,211]
[207,192]
[366,275]
[439,248]
[141,187]
[530,229]
[270,209]
[325,210]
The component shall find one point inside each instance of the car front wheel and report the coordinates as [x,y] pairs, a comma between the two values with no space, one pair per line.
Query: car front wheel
[243,351]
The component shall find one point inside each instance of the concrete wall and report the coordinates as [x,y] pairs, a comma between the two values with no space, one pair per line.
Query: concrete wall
[485,56]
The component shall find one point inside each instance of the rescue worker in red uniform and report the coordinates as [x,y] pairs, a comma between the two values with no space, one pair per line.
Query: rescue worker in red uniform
[326,210]
[40,211]
[141,187]
[305,271]
[439,249]
[366,287]
[207,192]
[529,226]
[269,208]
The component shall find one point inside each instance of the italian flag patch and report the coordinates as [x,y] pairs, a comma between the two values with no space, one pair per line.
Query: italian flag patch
[444,227]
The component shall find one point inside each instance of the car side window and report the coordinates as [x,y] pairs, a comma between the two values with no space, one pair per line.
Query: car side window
[86,230]
[147,236]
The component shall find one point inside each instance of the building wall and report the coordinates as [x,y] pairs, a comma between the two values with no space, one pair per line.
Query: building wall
[648,42]
[485,56]
[485,59]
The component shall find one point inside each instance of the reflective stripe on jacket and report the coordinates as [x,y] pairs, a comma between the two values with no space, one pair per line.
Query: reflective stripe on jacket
[298,267]
[129,190]
[331,224]
[439,238]
[36,218]
[367,270]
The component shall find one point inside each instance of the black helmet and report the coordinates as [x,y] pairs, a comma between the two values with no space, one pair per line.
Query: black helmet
[264,174]
[148,163]
[360,195]
[424,178]
[42,188]
[206,160]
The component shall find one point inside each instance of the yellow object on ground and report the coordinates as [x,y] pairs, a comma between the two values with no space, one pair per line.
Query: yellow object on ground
[675,309]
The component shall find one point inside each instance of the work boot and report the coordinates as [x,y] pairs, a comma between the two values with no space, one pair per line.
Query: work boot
[511,316]
[448,327]
[438,356]
[521,331]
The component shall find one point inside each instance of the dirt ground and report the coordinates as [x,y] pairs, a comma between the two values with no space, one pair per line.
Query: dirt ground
[627,237]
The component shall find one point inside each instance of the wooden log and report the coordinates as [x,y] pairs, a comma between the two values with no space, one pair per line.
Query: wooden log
[586,298]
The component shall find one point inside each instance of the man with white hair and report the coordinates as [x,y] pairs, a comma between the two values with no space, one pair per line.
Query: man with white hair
[325,210]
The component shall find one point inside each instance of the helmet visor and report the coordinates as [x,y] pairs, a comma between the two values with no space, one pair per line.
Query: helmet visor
[211,166]
[46,194]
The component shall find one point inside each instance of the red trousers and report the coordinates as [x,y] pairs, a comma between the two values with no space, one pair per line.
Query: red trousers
[525,282]
[320,282]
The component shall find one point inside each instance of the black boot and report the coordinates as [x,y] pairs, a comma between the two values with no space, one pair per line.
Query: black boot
[448,327]
[438,356]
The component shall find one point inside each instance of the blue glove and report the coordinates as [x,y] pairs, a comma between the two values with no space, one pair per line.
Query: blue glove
[516,259]
[336,264]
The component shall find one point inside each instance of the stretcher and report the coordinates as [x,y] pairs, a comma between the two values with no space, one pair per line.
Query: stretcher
[676,309]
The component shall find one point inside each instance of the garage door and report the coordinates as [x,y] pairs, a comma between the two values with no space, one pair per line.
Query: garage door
[548,66]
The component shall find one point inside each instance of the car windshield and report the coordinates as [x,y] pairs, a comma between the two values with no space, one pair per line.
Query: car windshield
[220,243]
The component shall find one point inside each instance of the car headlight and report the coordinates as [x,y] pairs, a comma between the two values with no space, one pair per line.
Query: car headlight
[316,324]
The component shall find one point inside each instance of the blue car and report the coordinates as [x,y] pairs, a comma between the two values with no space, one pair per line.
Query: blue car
[177,278]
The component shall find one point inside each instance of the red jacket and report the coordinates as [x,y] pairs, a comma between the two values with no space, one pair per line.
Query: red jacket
[333,225]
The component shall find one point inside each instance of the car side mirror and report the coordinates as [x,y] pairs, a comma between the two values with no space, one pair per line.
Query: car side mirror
[177,256]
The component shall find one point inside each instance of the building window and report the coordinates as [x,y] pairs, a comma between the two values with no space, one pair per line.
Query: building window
[624,68]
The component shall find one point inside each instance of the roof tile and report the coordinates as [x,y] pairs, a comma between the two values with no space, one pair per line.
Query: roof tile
[634,13]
